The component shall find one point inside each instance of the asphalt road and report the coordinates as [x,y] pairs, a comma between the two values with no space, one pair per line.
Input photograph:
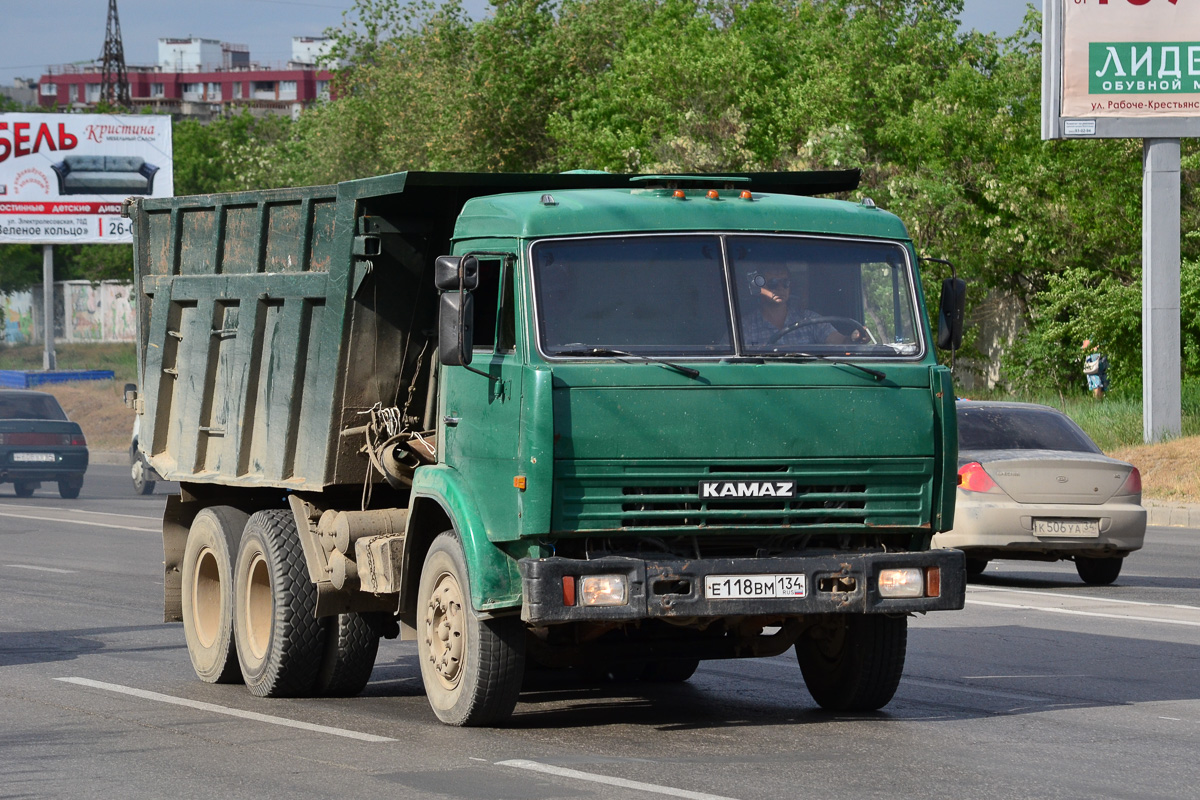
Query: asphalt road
[1041,687]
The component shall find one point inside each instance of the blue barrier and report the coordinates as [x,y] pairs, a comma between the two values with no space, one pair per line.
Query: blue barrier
[27,379]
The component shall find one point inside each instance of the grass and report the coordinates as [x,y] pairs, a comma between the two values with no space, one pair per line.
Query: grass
[121,358]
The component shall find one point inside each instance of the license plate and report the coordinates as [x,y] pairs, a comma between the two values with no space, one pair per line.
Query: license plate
[750,587]
[1066,527]
[33,457]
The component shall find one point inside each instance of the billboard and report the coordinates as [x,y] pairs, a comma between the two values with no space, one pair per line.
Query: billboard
[1121,68]
[63,176]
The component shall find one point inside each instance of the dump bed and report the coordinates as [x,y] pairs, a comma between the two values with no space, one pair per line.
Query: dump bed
[270,323]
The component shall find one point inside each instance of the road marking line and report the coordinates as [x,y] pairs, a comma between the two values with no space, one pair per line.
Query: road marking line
[40,569]
[1074,612]
[563,772]
[28,518]
[15,507]
[954,687]
[232,712]
[1093,598]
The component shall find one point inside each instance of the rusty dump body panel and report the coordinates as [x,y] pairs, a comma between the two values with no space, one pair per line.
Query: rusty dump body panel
[269,322]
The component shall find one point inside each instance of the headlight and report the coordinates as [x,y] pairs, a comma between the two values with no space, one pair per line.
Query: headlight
[603,590]
[907,582]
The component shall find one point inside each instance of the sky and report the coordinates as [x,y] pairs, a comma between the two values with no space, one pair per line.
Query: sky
[35,35]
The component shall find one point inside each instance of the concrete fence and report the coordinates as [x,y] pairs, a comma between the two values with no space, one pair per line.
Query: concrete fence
[83,312]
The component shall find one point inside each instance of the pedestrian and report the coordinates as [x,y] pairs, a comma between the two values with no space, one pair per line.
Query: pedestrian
[1095,369]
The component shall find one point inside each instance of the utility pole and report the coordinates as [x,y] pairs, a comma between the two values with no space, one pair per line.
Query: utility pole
[114,81]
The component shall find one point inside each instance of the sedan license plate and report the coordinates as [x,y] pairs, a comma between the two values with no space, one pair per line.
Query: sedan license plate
[33,457]
[1066,527]
[752,587]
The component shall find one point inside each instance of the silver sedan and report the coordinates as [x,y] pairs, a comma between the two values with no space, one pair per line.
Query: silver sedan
[1032,485]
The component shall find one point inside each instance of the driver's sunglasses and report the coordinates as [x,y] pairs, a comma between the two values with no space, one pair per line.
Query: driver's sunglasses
[778,283]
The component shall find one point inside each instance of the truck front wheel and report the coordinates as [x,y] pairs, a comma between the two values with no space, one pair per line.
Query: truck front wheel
[853,663]
[207,593]
[280,641]
[471,666]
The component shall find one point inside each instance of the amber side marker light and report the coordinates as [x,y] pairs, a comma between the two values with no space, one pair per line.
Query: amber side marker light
[519,482]
[933,582]
[568,590]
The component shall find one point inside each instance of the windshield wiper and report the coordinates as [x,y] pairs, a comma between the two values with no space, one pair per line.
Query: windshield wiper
[580,350]
[874,373]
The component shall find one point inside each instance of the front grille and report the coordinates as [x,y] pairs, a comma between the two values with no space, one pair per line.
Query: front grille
[829,494]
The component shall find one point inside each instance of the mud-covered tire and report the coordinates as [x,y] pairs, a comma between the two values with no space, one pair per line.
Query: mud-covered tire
[670,670]
[471,667]
[853,662]
[351,645]
[25,488]
[1098,571]
[280,641]
[976,566]
[208,593]
[138,471]
[68,488]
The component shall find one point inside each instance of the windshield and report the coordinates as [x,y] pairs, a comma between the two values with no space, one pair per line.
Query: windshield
[722,295]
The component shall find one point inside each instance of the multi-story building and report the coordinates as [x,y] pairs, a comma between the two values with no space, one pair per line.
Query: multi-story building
[202,78]
[23,91]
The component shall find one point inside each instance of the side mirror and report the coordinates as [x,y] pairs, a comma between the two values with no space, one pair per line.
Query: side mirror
[950,313]
[456,322]
[452,273]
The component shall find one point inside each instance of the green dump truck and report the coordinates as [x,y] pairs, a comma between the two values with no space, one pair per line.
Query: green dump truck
[541,422]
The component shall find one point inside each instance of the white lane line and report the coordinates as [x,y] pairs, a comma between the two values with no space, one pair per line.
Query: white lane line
[28,518]
[954,687]
[40,569]
[563,772]
[15,507]
[232,712]
[1077,613]
[1085,597]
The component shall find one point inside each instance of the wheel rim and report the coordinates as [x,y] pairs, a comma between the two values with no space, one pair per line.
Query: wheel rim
[445,634]
[259,610]
[206,598]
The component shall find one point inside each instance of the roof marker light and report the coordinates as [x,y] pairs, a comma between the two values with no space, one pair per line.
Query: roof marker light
[548,200]
[679,193]
[747,194]
[713,194]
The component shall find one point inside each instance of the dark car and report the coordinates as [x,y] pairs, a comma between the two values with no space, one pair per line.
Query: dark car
[38,444]
[1032,485]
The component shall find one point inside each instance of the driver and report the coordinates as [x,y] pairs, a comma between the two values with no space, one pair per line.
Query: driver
[775,314]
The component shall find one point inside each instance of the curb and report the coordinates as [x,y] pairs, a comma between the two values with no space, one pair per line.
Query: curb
[1172,515]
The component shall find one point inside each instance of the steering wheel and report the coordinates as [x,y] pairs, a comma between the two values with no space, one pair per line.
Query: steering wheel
[805,323]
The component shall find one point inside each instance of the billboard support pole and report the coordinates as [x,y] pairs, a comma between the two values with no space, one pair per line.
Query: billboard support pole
[1161,396]
[48,361]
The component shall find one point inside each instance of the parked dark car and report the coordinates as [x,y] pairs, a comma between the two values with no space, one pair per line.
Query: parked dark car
[38,444]
[1032,485]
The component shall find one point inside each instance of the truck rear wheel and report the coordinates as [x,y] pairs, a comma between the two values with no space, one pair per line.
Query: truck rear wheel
[350,649]
[280,641]
[472,667]
[853,663]
[212,545]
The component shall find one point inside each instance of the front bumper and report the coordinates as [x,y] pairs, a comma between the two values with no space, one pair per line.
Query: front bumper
[674,588]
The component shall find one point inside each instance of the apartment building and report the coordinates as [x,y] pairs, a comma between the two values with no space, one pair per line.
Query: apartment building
[202,78]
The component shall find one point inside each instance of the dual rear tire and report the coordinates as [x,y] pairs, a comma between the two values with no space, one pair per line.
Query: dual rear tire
[249,611]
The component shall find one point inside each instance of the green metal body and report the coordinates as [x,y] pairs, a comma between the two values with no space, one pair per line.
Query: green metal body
[270,322]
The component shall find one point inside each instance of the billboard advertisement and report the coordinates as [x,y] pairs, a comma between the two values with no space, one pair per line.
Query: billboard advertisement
[63,176]
[1121,68]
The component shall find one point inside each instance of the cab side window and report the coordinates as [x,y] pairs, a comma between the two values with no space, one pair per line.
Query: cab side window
[487,302]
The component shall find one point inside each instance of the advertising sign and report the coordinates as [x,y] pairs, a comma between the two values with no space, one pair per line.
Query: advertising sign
[63,176]
[1121,68]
